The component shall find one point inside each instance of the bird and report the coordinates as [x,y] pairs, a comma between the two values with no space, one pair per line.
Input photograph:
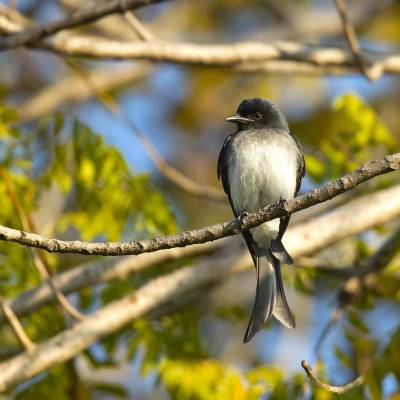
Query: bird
[260,164]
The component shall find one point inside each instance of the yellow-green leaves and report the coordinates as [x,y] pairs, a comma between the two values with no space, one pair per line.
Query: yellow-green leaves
[106,199]
[357,134]
[202,380]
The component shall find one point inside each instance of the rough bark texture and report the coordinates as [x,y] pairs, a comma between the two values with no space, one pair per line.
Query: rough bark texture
[212,232]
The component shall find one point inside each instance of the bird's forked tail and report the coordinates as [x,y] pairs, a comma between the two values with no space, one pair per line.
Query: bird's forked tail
[270,296]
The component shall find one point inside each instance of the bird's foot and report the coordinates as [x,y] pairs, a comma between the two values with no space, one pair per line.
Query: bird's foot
[243,215]
[282,203]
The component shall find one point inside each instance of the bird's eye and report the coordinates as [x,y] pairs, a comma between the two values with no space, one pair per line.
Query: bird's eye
[257,116]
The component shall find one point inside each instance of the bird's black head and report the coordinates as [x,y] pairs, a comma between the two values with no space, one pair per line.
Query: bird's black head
[258,113]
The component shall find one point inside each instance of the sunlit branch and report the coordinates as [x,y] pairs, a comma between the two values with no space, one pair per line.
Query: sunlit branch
[275,56]
[212,232]
[301,239]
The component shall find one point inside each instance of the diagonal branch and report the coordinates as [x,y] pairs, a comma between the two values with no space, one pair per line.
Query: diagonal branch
[78,18]
[212,232]
[301,239]
[16,326]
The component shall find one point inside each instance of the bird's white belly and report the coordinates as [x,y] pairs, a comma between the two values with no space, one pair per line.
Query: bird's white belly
[261,175]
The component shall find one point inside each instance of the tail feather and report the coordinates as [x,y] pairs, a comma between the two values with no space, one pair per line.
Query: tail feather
[265,298]
[282,311]
[278,251]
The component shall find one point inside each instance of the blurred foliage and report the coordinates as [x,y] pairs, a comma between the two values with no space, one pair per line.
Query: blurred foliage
[64,163]
[357,135]
[94,195]
[100,197]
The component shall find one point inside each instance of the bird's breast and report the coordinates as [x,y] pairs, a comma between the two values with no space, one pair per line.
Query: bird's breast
[262,171]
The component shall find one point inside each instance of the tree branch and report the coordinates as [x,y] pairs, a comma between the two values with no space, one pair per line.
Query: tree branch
[300,240]
[77,18]
[326,386]
[239,54]
[352,39]
[276,56]
[170,289]
[212,232]
[16,326]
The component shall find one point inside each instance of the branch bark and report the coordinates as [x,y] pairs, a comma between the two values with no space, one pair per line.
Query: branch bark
[212,232]
[276,56]
[351,38]
[240,54]
[302,239]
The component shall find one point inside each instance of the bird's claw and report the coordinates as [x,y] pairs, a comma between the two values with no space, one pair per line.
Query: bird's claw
[243,215]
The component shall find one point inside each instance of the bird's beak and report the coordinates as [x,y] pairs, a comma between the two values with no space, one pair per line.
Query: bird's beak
[239,119]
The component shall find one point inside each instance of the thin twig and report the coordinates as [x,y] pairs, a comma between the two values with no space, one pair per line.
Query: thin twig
[141,31]
[336,314]
[351,38]
[16,326]
[330,388]
[178,178]
[212,232]
[38,260]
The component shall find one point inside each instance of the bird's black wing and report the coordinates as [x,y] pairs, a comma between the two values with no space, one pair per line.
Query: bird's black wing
[222,173]
[301,164]
[223,165]
[278,249]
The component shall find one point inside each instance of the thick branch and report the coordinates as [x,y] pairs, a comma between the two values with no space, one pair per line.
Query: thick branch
[78,18]
[212,232]
[281,57]
[222,55]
